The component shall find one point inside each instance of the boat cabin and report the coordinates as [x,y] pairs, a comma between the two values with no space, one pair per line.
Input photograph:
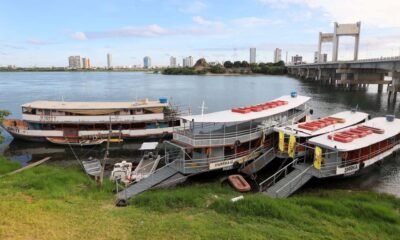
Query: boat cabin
[293,138]
[349,150]
[225,139]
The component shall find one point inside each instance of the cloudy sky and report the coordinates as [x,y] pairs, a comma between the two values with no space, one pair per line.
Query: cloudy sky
[46,32]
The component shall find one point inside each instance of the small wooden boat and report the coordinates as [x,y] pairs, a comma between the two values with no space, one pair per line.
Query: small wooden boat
[239,183]
[76,142]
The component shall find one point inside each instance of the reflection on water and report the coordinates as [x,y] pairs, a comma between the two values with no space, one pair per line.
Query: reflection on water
[218,92]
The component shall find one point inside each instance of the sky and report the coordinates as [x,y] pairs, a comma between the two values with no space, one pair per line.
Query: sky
[46,32]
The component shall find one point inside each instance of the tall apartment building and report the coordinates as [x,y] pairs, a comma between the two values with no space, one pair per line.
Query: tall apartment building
[172,62]
[86,63]
[75,62]
[109,60]
[277,55]
[187,62]
[147,62]
[252,55]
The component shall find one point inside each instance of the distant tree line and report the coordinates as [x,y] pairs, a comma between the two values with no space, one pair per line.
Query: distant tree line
[236,67]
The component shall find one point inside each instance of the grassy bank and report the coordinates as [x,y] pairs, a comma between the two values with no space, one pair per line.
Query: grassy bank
[62,203]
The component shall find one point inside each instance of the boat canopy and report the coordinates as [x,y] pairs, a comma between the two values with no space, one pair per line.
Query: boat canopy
[388,129]
[61,105]
[339,121]
[231,116]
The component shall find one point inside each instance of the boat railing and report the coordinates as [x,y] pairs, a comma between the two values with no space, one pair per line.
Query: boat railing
[218,139]
[190,165]
[281,173]
[329,168]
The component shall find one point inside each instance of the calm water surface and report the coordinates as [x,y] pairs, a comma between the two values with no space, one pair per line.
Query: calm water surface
[218,92]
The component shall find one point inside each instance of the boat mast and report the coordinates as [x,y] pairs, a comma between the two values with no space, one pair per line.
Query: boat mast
[100,183]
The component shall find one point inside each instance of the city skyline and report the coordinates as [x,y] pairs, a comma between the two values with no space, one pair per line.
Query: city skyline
[131,31]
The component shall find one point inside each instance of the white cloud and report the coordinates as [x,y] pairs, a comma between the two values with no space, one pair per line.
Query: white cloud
[146,31]
[193,7]
[201,21]
[79,36]
[383,13]
[255,21]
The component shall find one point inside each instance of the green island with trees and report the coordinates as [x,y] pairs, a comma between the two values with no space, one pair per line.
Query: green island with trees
[237,67]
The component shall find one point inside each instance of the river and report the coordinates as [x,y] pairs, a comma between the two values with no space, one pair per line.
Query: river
[218,93]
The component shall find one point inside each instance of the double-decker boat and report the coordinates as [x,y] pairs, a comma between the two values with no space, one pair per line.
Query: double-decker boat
[348,151]
[221,140]
[339,153]
[292,138]
[92,122]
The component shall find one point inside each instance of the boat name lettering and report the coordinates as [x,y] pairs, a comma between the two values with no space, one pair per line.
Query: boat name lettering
[348,170]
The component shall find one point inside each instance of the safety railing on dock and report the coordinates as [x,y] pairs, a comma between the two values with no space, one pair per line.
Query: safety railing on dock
[186,164]
[281,173]
[226,136]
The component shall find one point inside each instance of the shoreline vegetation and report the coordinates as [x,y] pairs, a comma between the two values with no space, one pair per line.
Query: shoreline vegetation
[53,202]
[229,68]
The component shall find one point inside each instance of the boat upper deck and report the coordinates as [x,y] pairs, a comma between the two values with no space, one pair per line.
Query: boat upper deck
[388,129]
[340,120]
[61,105]
[228,116]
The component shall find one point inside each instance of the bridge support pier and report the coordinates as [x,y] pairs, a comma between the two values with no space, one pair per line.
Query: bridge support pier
[395,87]
[352,78]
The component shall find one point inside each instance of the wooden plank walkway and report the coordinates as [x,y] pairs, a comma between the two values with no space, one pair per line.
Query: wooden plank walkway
[27,167]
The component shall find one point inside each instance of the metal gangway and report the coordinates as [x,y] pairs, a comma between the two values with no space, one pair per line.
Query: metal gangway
[253,167]
[287,180]
[158,176]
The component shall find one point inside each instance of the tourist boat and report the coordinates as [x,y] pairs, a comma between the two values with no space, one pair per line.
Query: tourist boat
[350,150]
[230,138]
[292,138]
[224,140]
[53,120]
[340,153]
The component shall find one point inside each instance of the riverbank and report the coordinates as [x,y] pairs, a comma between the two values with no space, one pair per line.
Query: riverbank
[49,202]
[62,69]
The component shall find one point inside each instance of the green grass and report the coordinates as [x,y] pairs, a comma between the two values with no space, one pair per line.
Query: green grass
[7,166]
[49,202]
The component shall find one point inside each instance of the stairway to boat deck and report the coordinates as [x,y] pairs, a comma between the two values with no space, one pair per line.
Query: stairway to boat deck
[289,182]
[154,179]
[259,163]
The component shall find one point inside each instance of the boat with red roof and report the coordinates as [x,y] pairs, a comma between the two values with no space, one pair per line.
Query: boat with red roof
[292,138]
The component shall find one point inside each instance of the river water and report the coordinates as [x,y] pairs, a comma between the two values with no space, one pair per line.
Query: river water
[218,93]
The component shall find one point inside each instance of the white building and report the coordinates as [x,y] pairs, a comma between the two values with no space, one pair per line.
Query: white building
[147,62]
[85,62]
[297,59]
[187,62]
[109,60]
[172,62]
[252,55]
[324,57]
[277,55]
[321,58]
[75,62]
